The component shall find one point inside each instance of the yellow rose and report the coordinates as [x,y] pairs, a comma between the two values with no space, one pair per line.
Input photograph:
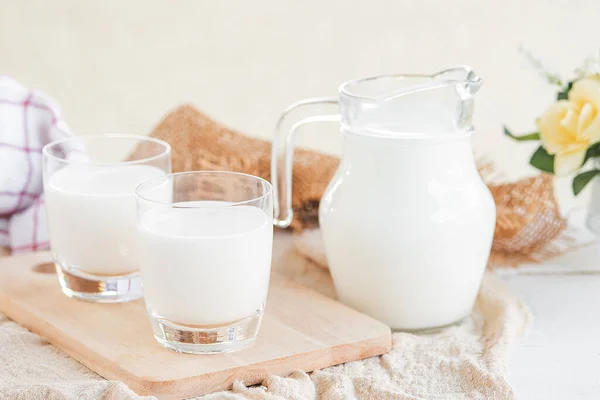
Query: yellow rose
[569,127]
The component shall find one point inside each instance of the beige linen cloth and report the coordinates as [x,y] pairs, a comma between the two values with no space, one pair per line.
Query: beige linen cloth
[466,361]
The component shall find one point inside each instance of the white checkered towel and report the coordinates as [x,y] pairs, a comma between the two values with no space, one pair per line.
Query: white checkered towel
[28,121]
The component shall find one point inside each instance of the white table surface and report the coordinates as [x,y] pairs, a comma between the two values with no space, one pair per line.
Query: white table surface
[560,358]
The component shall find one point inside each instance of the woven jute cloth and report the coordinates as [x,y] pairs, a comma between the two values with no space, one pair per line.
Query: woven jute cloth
[466,361]
[529,223]
[529,226]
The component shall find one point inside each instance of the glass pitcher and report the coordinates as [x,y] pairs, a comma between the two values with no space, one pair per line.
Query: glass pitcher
[407,221]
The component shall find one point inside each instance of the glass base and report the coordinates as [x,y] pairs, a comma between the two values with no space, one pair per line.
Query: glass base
[211,339]
[97,288]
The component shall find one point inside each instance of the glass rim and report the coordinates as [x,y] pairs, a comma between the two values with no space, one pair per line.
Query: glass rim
[166,151]
[268,192]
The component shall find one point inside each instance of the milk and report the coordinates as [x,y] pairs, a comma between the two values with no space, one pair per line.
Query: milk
[407,227]
[205,266]
[92,216]
[407,222]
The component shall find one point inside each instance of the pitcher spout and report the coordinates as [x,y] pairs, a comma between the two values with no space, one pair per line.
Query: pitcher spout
[463,76]
[466,81]
[415,105]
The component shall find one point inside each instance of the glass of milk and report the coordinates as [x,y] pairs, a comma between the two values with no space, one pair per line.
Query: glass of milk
[89,186]
[205,246]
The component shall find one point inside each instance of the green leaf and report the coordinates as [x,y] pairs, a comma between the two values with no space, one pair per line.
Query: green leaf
[522,138]
[564,94]
[592,152]
[542,160]
[581,180]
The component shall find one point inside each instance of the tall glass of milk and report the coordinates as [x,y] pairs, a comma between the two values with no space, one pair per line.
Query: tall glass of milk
[205,255]
[89,186]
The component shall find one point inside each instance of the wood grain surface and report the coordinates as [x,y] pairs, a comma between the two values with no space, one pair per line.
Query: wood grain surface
[301,329]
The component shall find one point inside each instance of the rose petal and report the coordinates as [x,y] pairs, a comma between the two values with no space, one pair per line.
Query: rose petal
[566,163]
[570,121]
[553,135]
[589,124]
[586,90]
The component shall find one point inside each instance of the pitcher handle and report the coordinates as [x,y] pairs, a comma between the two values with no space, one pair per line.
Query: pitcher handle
[283,151]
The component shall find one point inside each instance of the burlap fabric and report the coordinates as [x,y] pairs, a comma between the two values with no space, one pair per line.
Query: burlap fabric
[528,224]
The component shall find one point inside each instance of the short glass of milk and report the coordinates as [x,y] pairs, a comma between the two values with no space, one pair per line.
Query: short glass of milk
[205,245]
[89,187]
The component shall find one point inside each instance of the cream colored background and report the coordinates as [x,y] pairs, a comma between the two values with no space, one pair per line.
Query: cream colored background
[120,65]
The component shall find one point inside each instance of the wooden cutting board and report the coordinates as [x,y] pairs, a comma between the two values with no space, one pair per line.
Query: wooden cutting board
[301,329]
